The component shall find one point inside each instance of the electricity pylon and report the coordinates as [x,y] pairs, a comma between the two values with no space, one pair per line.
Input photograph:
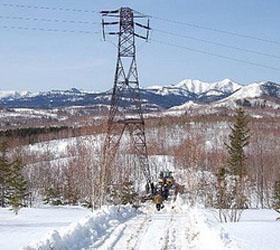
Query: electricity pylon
[125,110]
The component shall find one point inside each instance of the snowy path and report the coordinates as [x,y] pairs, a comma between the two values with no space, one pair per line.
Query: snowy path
[158,231]
[126,229]
[142,232]
[166,230]
[69,228]
[162,231]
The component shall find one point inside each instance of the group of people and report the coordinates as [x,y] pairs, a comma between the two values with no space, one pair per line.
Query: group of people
[162,189]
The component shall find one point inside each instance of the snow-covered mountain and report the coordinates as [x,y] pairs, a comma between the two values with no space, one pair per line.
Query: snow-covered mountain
[13,94]
[199,87]
[197,90]
[256,94]
[227,93]
[221,93]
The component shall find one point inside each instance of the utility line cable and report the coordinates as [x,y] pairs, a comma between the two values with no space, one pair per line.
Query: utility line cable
[217,30]
[11,27]
[25,6]
[46,20]
[157,41]
[217,43]
[216,55]
[151,16]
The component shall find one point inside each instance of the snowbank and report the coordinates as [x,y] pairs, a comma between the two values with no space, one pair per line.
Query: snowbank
[202,232]
[257,230]
[87,231]
[206,235]
[32,224]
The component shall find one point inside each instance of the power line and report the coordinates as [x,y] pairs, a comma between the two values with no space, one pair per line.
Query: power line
[23,28]
[218,30]
[217,43]
[46,20]
[193,25]
[216,55]
[46,8]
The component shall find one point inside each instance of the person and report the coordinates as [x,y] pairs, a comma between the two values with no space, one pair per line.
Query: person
[158,197]
[165,191]
[158,201]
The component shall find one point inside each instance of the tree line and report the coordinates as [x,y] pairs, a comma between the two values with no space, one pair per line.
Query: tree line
[222,165]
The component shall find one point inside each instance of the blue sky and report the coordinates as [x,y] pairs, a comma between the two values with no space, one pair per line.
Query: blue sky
[33,60]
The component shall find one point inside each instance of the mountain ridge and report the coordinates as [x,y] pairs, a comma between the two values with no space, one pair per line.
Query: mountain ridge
[154,97]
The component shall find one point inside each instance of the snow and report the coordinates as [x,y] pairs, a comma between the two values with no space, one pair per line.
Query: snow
[250,91]
[125,228]
[200,87]
[154,87]
[177,226]
[29,113]
[256,230]
[213,92]
[257,116]
[20,94]
[90,232]
[32,224]
[34,112]
[185,106]
[226,85]
[192,89]
[212,237]
[195,86]
[168,90]
[12,93]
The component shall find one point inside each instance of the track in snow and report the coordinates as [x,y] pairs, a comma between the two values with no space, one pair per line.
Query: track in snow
[126,229]
[165,230]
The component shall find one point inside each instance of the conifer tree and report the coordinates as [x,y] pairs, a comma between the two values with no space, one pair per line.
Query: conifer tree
[276,196]
[236,163]
[128,194]
[123,194]
[17,186]
[221,201]
[53,196]
[4,174]
[238,140]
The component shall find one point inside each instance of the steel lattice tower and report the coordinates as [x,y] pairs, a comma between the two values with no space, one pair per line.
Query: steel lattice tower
[125,111]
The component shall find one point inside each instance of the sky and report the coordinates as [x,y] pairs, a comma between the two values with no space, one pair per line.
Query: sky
[38,61]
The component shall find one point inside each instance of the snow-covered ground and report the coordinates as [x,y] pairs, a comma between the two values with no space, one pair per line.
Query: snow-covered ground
[125,228]
[257,230]
[32,224]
